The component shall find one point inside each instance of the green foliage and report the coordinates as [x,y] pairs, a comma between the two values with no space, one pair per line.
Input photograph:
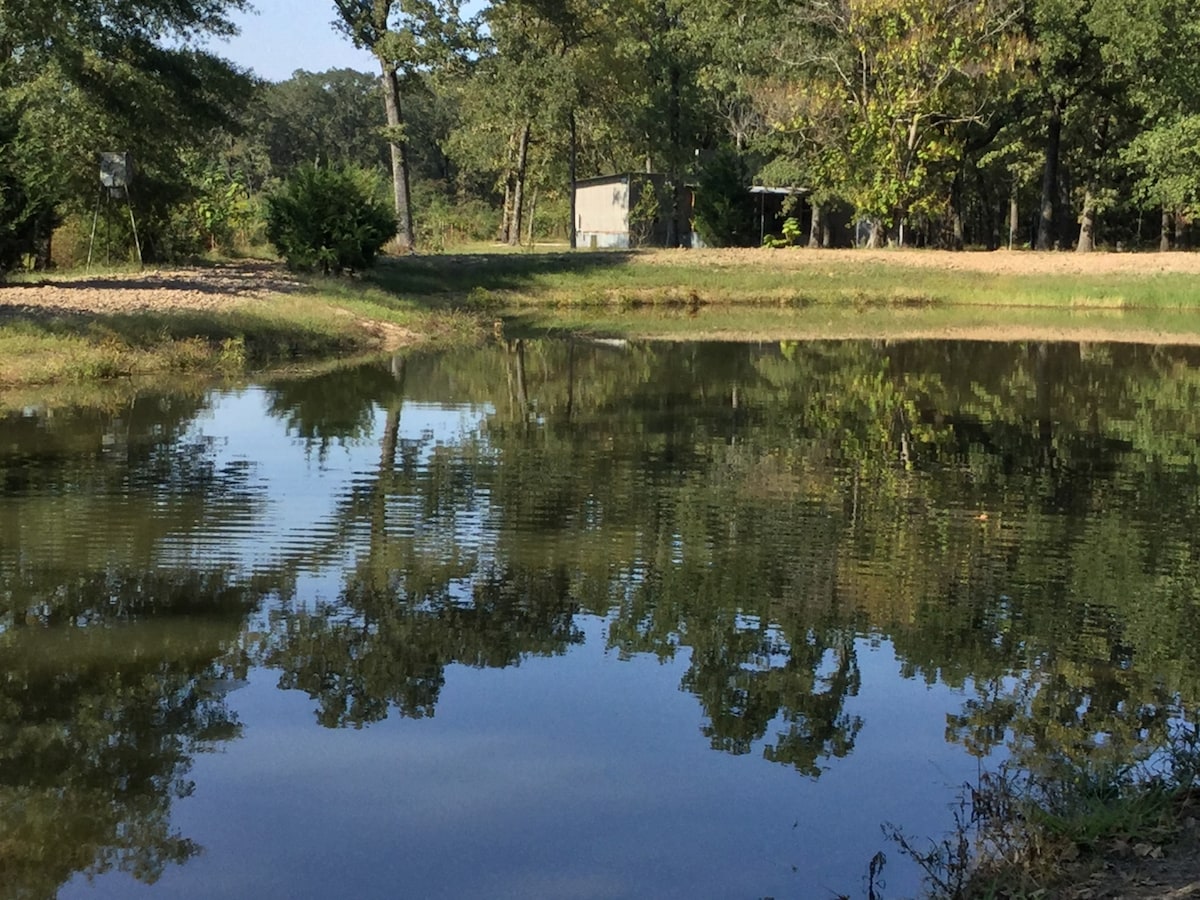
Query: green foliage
[1037,822]
[446,221]
[330,220]
[645,211]
[724,215]
[16,223]
[102,76]
[790,236]
[1168,155]
[320,119]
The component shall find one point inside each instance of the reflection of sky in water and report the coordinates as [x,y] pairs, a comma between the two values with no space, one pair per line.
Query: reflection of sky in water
[574,776]
[765,541]
[579,776]
[298,490]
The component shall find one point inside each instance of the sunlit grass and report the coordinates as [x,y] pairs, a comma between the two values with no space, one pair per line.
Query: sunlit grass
[758,278]
[863,321]
[459,297]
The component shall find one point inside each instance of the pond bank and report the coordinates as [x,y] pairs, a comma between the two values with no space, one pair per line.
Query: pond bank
[246,316]
[218,319]
[1079,829]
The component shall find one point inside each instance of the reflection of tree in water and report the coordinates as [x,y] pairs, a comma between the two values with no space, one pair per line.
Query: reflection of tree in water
[380,647]
[1025,527]
[116,660]
[112,683]
[753,677]
[1005,515]
[416,603]
[337,406]
[989,509]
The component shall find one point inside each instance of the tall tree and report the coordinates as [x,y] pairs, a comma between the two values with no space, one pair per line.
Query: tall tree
[320,118]
[406,37]
[660,75]
[101,74]
[889,84]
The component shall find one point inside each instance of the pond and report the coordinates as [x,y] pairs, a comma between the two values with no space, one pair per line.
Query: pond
[580,618]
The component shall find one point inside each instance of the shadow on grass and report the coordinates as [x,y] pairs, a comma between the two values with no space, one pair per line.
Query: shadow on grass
[226,279]
[448,276]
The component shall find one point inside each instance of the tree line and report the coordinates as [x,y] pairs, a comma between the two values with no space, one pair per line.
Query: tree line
[1039,123]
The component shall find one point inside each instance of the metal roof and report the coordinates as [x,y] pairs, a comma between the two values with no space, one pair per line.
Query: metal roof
[765,189]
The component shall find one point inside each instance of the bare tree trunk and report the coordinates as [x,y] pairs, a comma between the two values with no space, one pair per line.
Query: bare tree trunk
[957,241]
[43,235]
[1087,224]
[875,241]
[1014,221]
[518,198]
[391,431]
[572,172]
[570,378]
[405,236]
[506,217]
[522,387]
[1164,234]
[815,231]
[1045,233]
[674,138]
[532,215]
[1180,230]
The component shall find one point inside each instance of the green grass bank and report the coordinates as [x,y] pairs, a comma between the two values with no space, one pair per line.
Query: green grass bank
[244,317]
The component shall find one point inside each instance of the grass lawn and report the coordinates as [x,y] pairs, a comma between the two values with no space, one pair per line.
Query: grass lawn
[798,278]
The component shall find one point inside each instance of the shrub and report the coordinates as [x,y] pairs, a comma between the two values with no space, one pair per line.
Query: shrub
[646,212]
[330,220]
[790,236]
[724,208]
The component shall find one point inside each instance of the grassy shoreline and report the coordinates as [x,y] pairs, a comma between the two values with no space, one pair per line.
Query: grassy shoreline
[461,299]
[321,319]
[1121,825]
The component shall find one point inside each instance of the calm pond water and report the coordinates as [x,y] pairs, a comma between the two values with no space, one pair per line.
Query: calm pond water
[570,619]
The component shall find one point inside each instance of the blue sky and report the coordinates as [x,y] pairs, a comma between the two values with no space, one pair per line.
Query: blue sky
[285,35]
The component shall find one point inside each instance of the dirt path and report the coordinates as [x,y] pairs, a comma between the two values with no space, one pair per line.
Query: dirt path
[218,287]
[153,290]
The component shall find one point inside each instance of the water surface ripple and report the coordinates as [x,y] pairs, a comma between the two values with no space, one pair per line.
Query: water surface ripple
[572,619]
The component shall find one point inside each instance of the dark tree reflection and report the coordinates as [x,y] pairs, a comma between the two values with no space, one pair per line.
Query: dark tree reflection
[1019,523]
[381,648]
[116,656]
[104,701]
[1013,519]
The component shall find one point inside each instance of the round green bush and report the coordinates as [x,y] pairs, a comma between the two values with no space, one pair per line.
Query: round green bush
[329,220]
